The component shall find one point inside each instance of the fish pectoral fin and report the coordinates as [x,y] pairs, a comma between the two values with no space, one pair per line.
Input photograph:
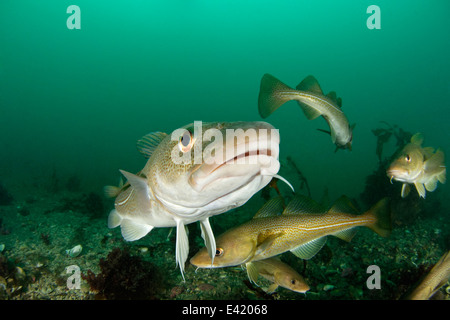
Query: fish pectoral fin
[132,231]
[264,242]
[182,246]
[308,250]
[431,184]
[324,131]
[420,189]
[114,219]
[208,237]
[252,272]
[140,187]
[272,288]
[405,190]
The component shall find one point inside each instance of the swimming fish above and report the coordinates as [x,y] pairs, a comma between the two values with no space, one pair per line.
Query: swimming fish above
[434,280]
[274,93]
[301,229]
[278,272]
[422,167]
[196,172]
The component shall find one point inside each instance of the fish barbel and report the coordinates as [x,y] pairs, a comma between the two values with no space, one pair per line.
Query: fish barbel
[198,171]
[301,229]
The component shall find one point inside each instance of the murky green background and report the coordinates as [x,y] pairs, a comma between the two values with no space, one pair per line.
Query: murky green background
[76,101]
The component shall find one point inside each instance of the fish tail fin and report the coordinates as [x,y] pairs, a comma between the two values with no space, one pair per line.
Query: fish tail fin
[270,95]
[382,213]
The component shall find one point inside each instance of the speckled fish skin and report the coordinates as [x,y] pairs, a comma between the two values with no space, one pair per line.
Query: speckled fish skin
[265,237]
[278,272]
[434,280]
[167,194]
[314,103]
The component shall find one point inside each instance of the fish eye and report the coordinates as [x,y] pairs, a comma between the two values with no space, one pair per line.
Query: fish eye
[293,281]
[408,158]
[186,141]
[219,252]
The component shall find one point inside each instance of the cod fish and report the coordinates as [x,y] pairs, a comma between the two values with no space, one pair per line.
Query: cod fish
[302,229]
[274,93]
[278,272]
[435,279]
[178,187]
[419,166]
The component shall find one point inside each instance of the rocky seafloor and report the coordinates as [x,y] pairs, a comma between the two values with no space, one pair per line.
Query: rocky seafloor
[36,231]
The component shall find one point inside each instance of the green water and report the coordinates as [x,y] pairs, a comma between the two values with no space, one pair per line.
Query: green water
[74,101]
[77,100]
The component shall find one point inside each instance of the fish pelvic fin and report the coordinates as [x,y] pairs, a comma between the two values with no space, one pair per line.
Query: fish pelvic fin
[208,238]
[382,224]
[181,247]
[252,272]
[271,95]
[405,190]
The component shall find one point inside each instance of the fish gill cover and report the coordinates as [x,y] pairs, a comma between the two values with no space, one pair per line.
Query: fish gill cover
[81,82]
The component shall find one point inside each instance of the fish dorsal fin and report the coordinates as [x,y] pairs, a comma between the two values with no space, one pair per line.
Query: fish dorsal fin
[310,84]
[140,187]
[428,152]
[148,143]
[343,205]
[273,207]
[264,241]
[302,204]
[308,250]
[417,139]
[333,97]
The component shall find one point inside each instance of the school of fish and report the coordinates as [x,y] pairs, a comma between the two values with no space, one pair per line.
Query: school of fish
[203,183]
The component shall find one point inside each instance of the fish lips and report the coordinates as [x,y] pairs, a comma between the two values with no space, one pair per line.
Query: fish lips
[250,160]
[397,174]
